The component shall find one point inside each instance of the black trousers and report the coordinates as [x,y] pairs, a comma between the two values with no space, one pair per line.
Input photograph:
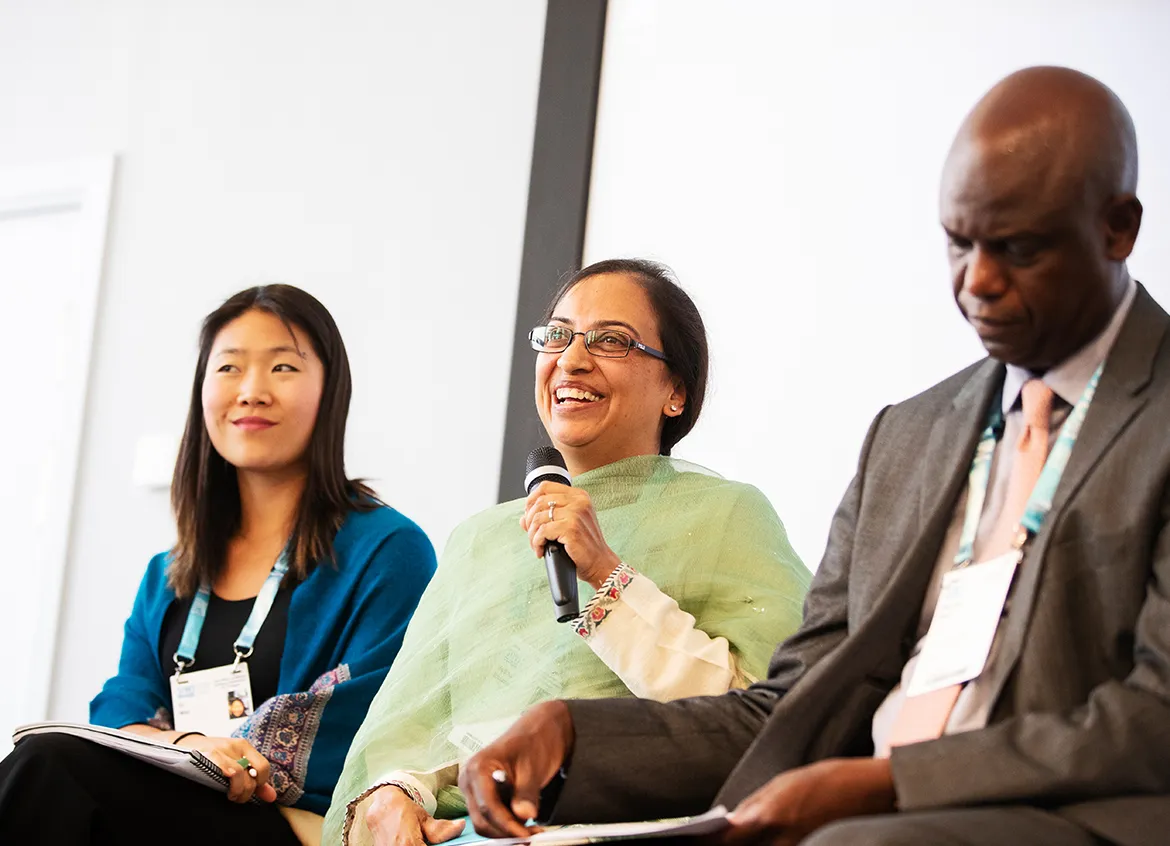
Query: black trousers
[65,791]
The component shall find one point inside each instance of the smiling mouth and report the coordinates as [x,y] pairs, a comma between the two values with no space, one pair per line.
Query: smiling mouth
[575,397]
[253,423]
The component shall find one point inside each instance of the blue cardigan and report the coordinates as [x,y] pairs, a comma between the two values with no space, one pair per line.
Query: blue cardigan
[345,627]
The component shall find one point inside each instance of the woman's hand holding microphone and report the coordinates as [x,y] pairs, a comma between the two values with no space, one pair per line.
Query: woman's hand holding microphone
[556,512]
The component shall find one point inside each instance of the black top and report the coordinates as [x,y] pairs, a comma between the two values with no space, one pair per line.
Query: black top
[224,621]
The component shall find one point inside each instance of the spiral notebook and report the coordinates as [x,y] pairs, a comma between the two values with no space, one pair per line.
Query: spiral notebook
[188,763]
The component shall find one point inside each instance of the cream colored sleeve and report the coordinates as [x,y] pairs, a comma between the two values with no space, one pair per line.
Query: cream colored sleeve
[421,787]
[653,645]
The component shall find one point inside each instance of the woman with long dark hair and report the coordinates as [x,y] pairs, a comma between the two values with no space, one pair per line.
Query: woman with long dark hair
[286,595]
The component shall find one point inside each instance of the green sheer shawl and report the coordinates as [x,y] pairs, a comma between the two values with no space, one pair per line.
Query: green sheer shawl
[484,645]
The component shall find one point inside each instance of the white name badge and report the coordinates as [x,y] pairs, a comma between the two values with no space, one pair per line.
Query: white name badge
[213,701]
[962,630]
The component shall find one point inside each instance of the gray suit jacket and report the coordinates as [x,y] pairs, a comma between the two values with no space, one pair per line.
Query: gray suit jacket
[1081,721]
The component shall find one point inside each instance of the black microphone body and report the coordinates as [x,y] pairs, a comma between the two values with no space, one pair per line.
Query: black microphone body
[545,464]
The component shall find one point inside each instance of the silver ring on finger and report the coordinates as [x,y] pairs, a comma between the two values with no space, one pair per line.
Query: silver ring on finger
[551,506]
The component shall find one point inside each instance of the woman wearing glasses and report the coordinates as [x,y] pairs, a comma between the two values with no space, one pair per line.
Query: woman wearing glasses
[691,577]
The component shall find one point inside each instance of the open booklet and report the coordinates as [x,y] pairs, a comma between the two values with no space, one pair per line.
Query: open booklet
[188,763]
[570,835]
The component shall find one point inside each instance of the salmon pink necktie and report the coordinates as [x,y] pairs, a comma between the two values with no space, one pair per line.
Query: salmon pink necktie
[924,717]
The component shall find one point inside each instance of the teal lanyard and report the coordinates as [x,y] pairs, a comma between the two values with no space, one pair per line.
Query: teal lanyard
[185,657]
[1040,500]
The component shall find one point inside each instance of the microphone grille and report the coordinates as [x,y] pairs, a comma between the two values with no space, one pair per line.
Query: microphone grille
[545,464]
[544,456]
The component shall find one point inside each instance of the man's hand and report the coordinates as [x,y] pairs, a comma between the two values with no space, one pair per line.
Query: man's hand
[529,754]
[796,803]
[394,819]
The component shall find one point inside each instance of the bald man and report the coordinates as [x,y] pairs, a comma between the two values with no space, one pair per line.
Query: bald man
[985,652]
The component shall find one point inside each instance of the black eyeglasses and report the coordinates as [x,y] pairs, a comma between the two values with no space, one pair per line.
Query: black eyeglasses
[604,343]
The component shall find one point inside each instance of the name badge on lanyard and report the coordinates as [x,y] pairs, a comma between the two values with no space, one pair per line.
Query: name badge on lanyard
[973,596]
[217,700]
[963,627]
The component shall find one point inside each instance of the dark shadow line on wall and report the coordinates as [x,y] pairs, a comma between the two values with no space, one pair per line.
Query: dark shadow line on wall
[558,200]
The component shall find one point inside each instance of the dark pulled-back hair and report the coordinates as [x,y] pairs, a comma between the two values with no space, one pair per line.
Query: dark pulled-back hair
[684,337]
[205,494]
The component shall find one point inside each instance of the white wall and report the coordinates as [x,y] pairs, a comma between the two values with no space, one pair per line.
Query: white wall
[784,159]
[375,153]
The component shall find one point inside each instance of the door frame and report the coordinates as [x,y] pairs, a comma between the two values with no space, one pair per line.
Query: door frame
[81,187]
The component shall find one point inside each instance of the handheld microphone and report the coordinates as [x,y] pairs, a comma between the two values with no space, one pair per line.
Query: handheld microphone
[545,464]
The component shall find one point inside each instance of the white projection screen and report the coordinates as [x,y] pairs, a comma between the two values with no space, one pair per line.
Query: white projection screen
[783,158]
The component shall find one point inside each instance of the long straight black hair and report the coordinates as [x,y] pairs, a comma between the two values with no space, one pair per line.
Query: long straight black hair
[205,494]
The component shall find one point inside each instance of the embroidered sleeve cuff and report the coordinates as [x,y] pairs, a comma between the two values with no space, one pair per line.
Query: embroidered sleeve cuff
[601,604]
[650,643]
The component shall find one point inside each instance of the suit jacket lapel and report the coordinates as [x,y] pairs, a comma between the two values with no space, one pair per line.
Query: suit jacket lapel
[948,453]
[884,647]
[945,465]
[1120,395]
